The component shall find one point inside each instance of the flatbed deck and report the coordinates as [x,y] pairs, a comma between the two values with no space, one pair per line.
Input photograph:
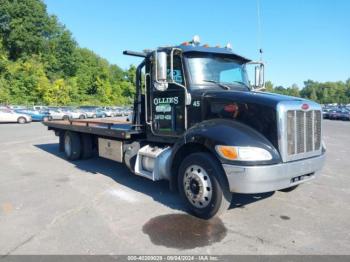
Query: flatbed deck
[102,127]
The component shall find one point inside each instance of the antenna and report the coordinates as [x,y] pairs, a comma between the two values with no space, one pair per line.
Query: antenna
[259,33]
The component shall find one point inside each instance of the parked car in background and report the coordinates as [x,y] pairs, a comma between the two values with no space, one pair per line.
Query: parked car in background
[92,112]
[58,114]
[15,107]
[10,116]
[335,114]
[325,113]
[100,113]
[35,114]
[39,108]
[75,113]
[118,111]
[108,111]
[345,115]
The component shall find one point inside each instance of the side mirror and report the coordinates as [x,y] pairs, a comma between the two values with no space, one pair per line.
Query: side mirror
[259,82]
[160,71]
[257,76]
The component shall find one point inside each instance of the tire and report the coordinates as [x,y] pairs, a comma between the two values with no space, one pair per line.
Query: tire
[21,120]
[289,189]
[81,117]
[72,145]
[65,117]
[202,170]
[45,118]
[87,146]
[94,116]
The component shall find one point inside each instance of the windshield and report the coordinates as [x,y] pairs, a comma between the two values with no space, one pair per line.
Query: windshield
[212,69]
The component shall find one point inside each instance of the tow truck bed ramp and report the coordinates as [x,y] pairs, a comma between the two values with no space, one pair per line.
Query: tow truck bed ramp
[101,127]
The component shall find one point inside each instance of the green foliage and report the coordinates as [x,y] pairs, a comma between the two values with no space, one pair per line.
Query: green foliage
[324,93]
[40,62]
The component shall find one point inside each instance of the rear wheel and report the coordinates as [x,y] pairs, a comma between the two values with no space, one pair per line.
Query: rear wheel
[72,145]
[94,116]
[21,120]
[65,117]
[45,118]
[202,185]
[81,117]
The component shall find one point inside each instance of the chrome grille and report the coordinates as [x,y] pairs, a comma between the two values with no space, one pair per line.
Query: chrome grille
[303,131]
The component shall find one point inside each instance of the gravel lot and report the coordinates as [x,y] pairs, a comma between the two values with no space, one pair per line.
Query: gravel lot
[51,206]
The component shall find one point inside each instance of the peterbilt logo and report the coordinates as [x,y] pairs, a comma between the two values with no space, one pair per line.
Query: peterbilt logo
[305,106]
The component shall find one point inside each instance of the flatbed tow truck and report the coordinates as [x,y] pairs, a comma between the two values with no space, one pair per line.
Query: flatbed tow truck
[200,124]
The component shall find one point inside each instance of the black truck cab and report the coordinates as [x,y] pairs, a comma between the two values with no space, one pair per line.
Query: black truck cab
[175,101]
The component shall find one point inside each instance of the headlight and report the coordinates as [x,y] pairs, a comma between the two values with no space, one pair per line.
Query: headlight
[242,153]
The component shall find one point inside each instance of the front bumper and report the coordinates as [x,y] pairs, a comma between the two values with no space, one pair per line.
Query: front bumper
[259,179]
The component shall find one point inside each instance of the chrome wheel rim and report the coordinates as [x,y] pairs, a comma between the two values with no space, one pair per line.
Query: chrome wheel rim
[197,186]
[67,146]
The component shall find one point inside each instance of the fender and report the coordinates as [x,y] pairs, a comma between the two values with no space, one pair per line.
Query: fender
[214,132]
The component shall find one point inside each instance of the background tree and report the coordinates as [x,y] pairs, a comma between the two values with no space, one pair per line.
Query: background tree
[40,62]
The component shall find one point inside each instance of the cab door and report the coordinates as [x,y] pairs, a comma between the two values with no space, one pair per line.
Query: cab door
[168,107]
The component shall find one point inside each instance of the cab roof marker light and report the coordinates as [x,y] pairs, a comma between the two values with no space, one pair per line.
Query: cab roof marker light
[196,40]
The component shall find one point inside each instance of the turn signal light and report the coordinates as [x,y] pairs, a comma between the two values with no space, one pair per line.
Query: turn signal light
[243,153]
[227,152]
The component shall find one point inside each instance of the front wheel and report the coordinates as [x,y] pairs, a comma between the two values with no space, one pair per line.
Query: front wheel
[202,185]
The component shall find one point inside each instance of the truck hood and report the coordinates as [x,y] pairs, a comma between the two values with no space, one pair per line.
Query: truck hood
[254,109]
[260,98]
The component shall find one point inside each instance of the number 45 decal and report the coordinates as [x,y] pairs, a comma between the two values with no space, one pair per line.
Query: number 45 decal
[196,103]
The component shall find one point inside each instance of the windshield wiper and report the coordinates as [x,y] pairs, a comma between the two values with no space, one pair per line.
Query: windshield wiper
[218,83]
[242,83]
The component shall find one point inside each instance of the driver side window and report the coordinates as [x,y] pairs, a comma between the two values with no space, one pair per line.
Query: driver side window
[177,70]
